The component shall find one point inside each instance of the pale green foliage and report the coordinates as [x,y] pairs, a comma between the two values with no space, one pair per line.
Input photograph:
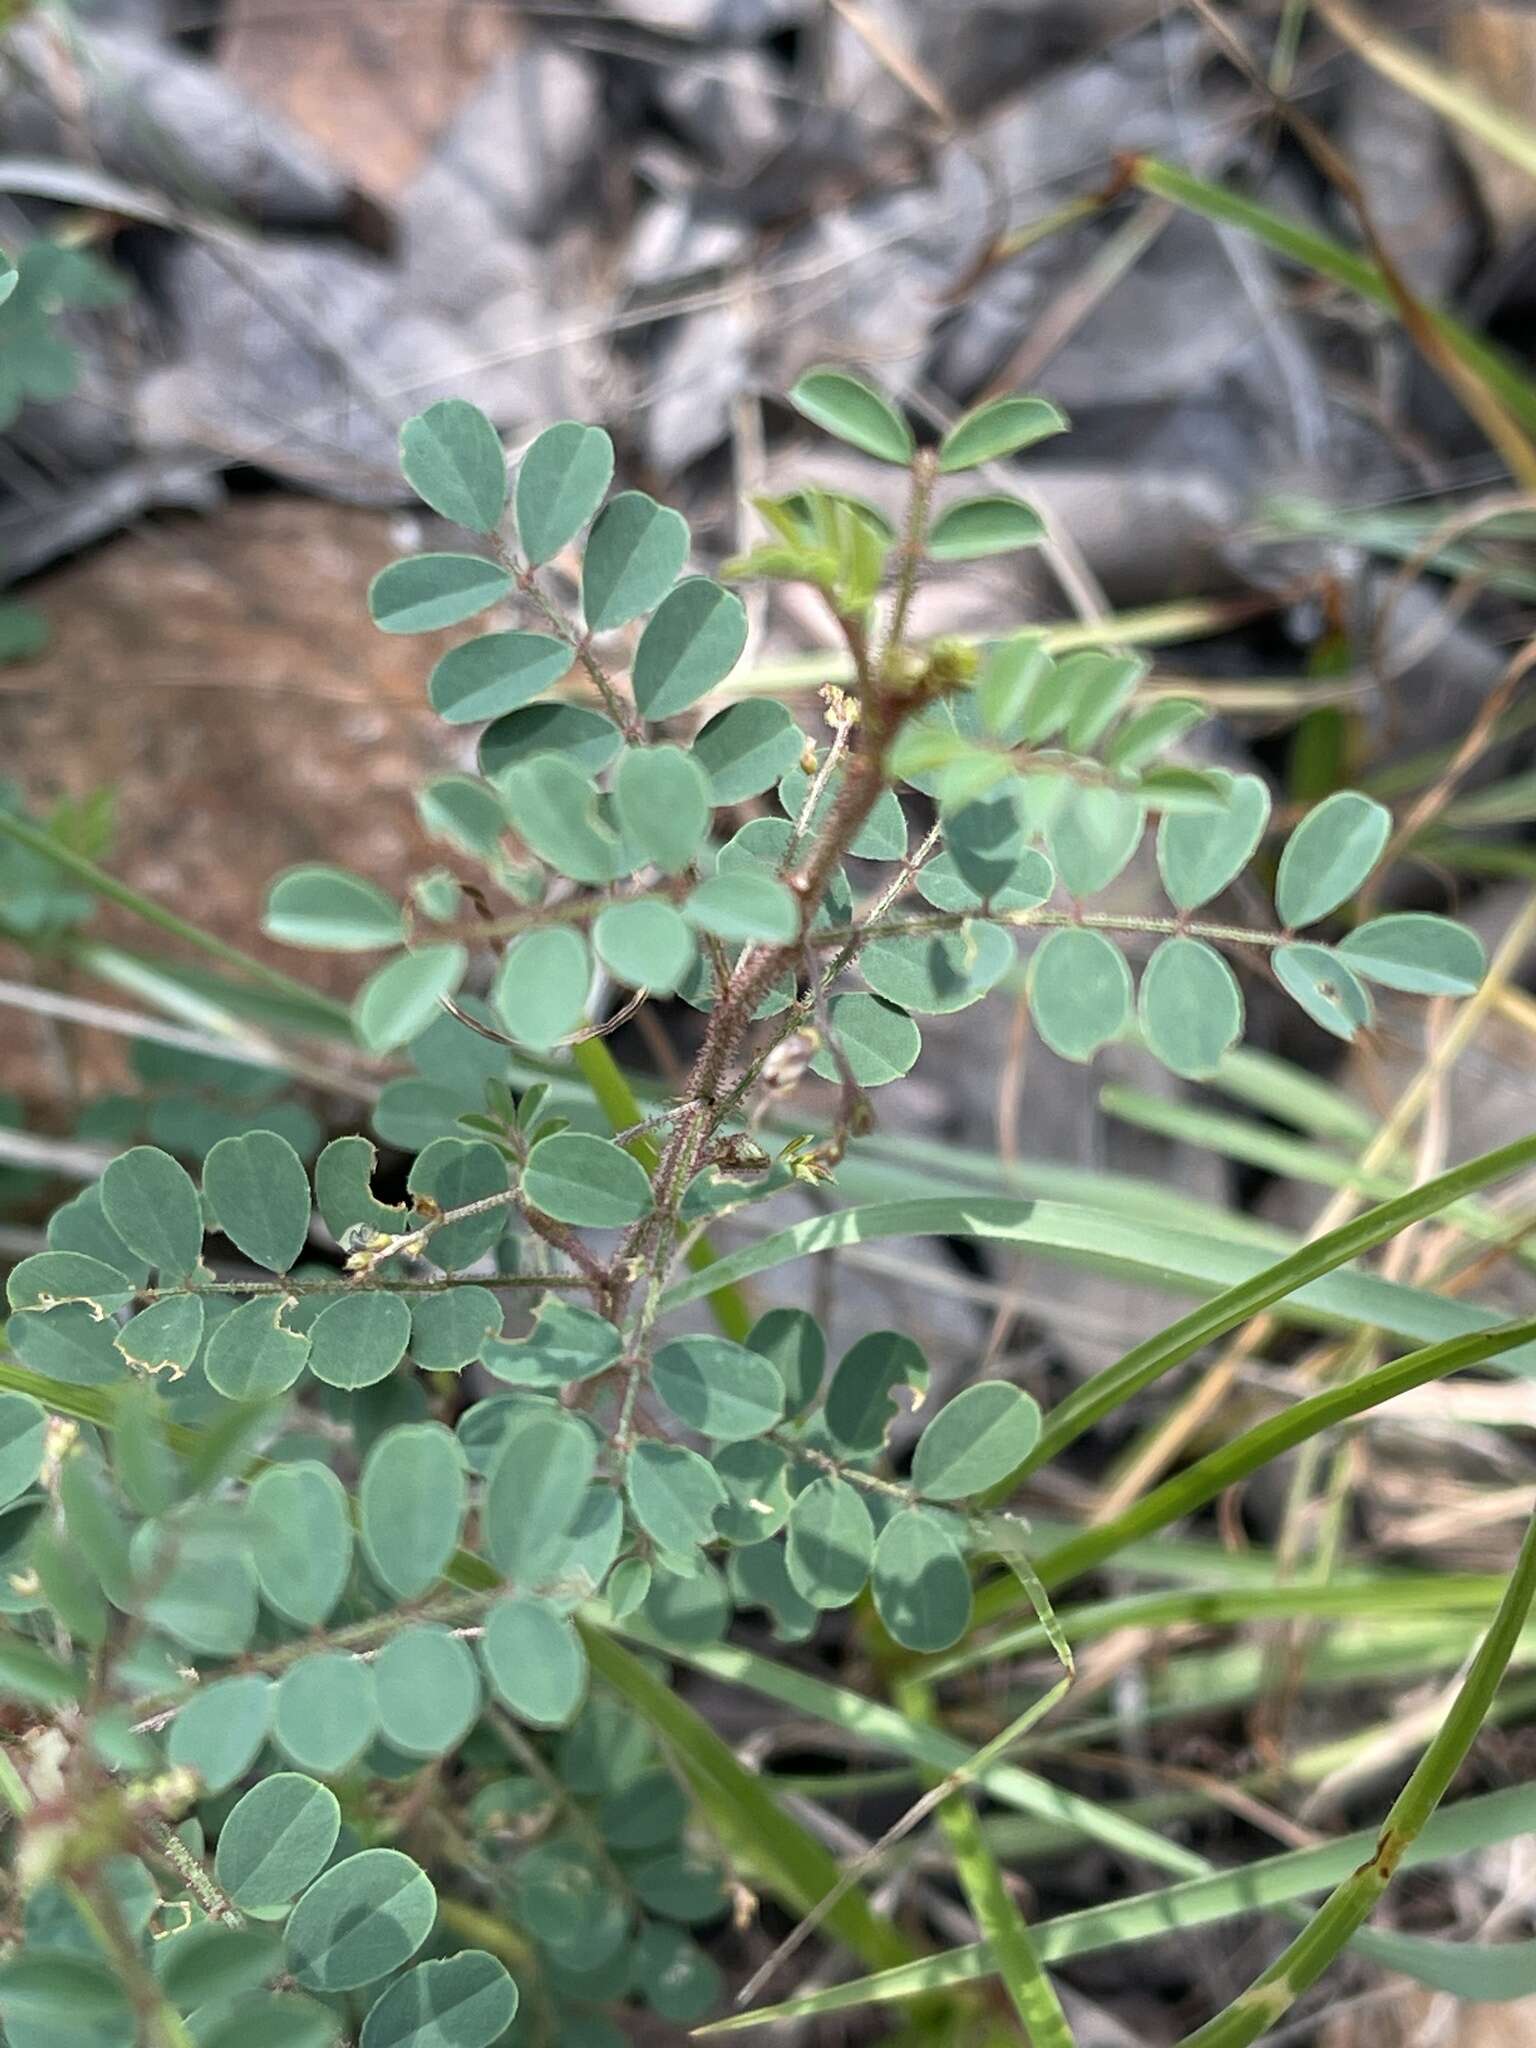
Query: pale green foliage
[379,1593]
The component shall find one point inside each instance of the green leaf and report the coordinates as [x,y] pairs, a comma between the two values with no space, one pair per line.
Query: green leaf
[411,1501]
[1329,855]
[536,1491]
[149,1200]
[428,1690]
[344,1190]
[300,1533]
[1093,835]
[588,1181]
[646,944]
[634,552]
[453,1329]
[494,674]
[859,1410]
[28,1672]
[936,973]
[541,988]
[1199,854]
[566,1344]
[464,812]
[454,1173]
[1152,731]
[82,1226]
[584,738]
[920,1582]
[756,1480]
[534,1660]
[251,1355]
[452,458]
[975,1441]
[692,642]
[426,592]
[721,1389]
[553,804]
[1001,428]
[467,2001]
[674,1495]
[853,412]
[879,1042]
[560,484]
[276,1840]
[1426,956]
[324,1715]
[994,525]
[219,1731]
[746,748]
[797,1345]
[361,1920]
[1325,988]
[165,1337]
[1029,884]
[258,1192]
[360,1339]
[273,2020]
[200,1580]
[1191,1007]
[743,908]
[882,836]
[988,842]
[206,1964]
[662,799]
[1101,684]
[49,1279]
[49,1995]
[400,999]
[831,1541]
[1079,992]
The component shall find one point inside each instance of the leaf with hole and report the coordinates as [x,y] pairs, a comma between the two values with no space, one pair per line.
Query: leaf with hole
[975,1441]
[165,1337]
[411,1502]
[426,592]
[460,1173]
[344,1190]
[859,1410]
[1422,955]
[452,458]
[854,412]
[920,1582]
[936,973]
[661,796]
[325,1714]
[400,999]
[1200,854]
[646,944]
[717,1387]
[534,1660]
[251,1353]
[1002,427]
[276,1840]
[51,1279]
[977,527]
[634,553]
[465,2001]
[561,481]
[587,1181]
[359,1339]
[746,748]
[1329,855]
[427,1686]
[830,1543]
[1191,1007]
[494,674]
[1079,993]
[540,991]
[331,910]
[1317,979]
[692,642]
[878,1042]
[258,1192]
[567,1343]
[300,1533]
[364,1918]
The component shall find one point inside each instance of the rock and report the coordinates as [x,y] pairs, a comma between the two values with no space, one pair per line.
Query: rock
[1399,150]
